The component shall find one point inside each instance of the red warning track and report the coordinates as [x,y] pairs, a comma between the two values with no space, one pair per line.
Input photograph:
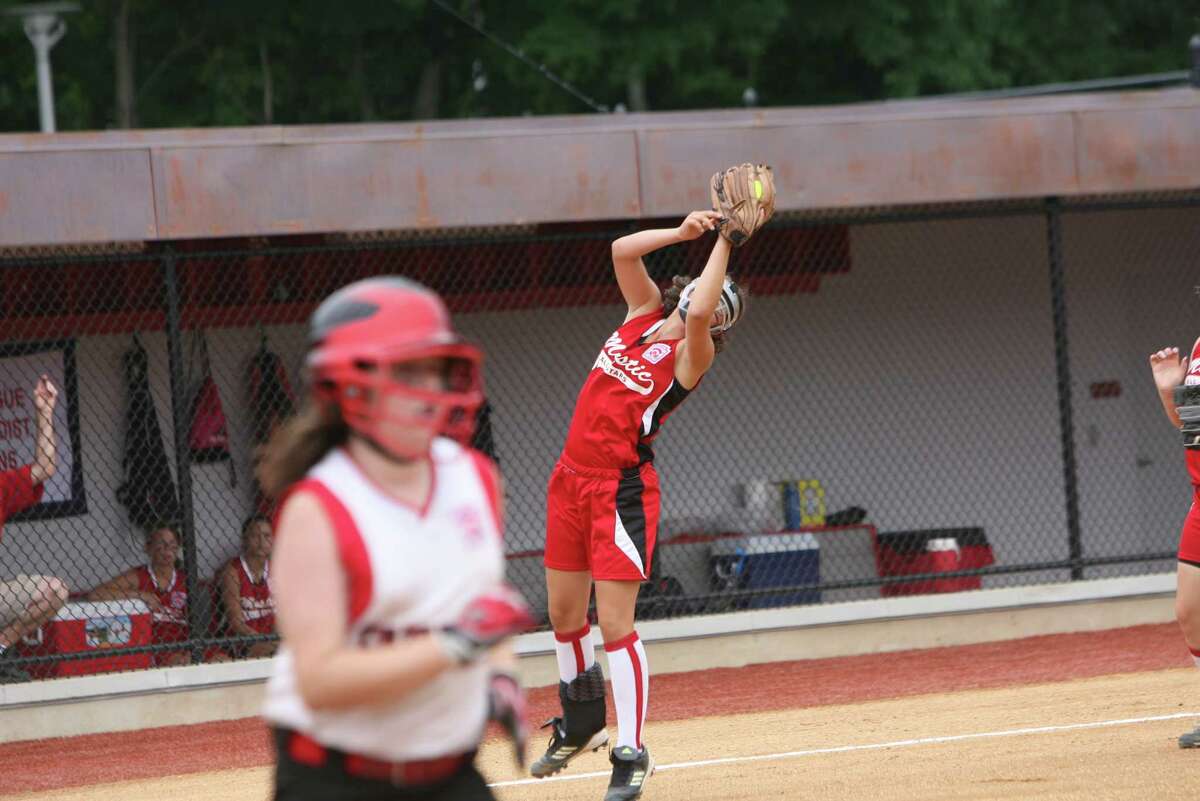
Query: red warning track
[150,753]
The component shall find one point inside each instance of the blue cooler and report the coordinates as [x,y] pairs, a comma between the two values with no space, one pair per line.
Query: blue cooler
[771,560]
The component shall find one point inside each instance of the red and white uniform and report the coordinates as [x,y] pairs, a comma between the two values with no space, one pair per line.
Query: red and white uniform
[1189,539]
[408,570]
[169,624]
[258,607]
[603,498]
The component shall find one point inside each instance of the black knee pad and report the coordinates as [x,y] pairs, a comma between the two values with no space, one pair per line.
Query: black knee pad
[584,712]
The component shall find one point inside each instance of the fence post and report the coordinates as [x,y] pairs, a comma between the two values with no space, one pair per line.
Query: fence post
[180,412]
[1062,363]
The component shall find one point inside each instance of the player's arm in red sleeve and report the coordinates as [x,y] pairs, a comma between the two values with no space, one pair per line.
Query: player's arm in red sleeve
[637,288]
[18,490]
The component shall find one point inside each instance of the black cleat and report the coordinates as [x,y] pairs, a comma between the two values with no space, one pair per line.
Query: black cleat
[1191,739]
[582,725]
[563,749]
[631,770]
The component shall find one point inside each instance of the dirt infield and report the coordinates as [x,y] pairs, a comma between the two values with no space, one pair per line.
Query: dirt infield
[870,720]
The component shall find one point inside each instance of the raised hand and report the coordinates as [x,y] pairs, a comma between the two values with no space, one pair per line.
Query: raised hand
[696,223]
[1168,367]
[45,395]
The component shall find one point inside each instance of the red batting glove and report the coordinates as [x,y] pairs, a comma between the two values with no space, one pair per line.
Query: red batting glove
[490,618]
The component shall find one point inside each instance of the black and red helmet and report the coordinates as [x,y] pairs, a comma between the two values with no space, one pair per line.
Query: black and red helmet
[359,333]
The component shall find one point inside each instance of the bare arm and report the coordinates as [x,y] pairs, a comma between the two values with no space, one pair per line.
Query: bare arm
[231,599]
[311,602]
[1169,371]
[45,395]
[637,288]
[696,354]
[123,586]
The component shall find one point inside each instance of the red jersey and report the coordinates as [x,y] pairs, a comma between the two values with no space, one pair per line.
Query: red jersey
[1193,378]
[17,491]
[1193,466]
[629,392]
[170,624]
[258,607]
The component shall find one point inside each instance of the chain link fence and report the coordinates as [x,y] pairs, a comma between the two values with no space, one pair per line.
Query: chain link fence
[919,400]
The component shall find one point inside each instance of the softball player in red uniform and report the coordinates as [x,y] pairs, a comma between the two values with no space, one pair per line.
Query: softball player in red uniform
[162,587]
[1173,376]
[244,587]
[603,495]
[388,564]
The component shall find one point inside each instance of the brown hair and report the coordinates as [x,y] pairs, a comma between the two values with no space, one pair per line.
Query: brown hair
[670,301]
[299,444]
[150,531]
[252,521]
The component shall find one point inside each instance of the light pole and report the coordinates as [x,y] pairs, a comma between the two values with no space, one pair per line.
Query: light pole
[1194,46]
[44,27]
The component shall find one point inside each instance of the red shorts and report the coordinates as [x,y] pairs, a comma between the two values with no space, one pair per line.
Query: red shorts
[1189,539]
[604,521]
[168,632]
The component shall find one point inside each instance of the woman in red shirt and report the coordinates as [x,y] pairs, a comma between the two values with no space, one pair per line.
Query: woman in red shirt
[244,585]
[603,496]
[26,602]
[1177,379]
[162,587]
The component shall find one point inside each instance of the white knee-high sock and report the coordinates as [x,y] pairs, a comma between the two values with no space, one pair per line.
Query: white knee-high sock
[575,652]
[630,673]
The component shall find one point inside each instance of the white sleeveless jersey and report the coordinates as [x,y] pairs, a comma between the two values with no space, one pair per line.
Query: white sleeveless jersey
[408,570]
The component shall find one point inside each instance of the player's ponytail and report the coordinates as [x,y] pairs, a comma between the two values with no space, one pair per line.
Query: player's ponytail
[670,295]
[299,444]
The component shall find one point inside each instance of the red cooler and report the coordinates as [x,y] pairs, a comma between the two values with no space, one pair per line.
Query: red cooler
[931,551]
[93,627]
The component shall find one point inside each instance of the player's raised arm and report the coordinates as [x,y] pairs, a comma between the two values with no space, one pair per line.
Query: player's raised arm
[1169,370]
[637,288]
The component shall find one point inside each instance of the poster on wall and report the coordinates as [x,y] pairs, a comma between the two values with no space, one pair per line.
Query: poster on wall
[21,364]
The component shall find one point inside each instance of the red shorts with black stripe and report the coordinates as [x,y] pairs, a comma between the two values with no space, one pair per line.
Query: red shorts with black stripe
[1189,538]
[603,521]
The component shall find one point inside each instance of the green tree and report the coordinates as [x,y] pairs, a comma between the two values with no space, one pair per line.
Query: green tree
[152,63]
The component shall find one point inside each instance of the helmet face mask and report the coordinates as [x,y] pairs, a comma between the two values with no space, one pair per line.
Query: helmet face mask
[730,307]
[384,353]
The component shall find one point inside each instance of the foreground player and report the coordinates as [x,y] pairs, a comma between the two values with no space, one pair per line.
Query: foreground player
[388,564]
[1179,390]
[603,495]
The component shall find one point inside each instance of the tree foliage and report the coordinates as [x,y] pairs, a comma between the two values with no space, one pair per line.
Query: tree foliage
[158,64]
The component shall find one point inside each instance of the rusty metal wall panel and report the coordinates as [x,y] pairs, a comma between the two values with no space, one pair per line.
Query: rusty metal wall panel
[89,186]
[883,163]
[75,197]
[140,139]
[1146,150]
[413,183]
